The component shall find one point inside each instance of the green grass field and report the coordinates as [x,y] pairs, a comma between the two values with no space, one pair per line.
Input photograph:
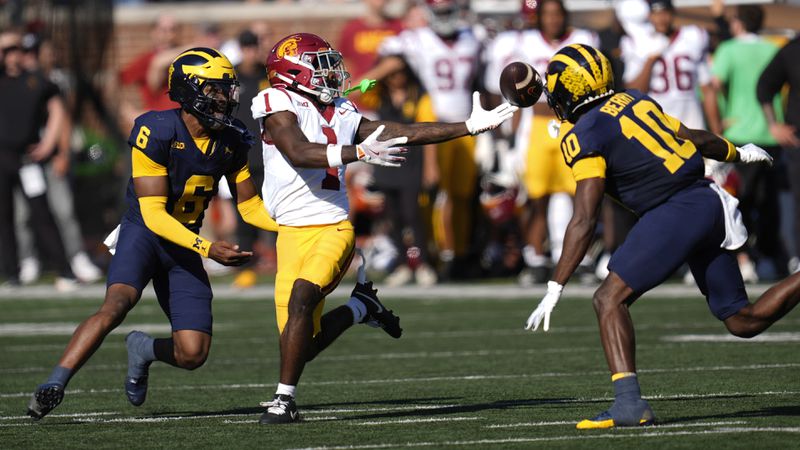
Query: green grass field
[464,374]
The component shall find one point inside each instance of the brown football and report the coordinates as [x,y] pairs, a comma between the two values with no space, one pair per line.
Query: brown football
[520,84]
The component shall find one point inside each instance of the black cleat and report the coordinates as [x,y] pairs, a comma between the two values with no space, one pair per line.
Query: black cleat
[377,315]
[281,409]
[46,397]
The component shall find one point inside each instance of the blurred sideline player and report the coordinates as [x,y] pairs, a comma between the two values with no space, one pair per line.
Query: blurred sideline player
[179,156]
[625,145]
[670,65]
[308,133]
[444,57]
[547,179]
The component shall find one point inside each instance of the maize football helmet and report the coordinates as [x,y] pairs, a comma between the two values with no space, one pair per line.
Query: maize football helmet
[203,82]
[577,76]
[308,63]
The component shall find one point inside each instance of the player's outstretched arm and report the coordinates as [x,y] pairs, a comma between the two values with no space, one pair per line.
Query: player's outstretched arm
[250,205]
[434,132]
[152,194]
[289,139]
[588,198]
[714,147]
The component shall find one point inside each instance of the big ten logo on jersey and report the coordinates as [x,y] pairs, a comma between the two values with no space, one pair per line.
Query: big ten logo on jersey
[177,145]
[454,72]
[675,73]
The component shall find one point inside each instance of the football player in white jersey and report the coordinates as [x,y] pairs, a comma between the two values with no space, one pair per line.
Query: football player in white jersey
[309,132]
[444,56]
[547,179]
[670,65]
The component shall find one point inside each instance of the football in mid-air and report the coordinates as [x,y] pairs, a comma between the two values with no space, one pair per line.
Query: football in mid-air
[520,84]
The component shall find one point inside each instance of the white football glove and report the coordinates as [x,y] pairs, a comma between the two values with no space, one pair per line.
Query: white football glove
[482,120]
[381,153]
[545,307]
[752,153]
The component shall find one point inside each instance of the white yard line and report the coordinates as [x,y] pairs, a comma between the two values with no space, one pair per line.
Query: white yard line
[67,416]
[477,377]
[766,337]
[425,420]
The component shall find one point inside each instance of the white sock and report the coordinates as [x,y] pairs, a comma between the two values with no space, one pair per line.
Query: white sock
[531,258]
[559,211]
[447,255]
[358,308]
[286,389]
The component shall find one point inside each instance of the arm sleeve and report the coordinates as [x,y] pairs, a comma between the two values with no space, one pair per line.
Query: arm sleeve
[255,213]
[160,222]
[772,79]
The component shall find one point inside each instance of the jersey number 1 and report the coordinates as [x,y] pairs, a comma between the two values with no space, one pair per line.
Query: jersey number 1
[656,136]
[331,180]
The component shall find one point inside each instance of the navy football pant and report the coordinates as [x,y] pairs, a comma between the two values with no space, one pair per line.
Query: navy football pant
[179,279]
[688,228]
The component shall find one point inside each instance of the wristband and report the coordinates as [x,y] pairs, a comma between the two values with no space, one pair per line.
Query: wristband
[732,153]
[554,287]
[335,155]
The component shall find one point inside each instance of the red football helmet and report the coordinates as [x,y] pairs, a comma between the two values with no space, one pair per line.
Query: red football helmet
[308,63]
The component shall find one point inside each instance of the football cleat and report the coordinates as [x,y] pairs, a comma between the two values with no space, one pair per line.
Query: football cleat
[604,420]
[135,386]
[46,397]
[282,409]
[377,315]
[136,390]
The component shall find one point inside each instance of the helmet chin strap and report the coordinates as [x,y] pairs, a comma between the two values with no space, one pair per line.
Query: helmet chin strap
[324,95]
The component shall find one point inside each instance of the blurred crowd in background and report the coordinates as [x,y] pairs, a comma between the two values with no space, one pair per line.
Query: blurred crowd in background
[496,206]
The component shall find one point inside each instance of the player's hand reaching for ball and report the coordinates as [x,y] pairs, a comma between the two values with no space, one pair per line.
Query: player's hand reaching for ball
[228,254]
[381,153]
[482,120]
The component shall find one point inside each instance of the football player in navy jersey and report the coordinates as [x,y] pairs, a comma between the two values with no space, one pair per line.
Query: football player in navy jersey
[624,145]
[178,158]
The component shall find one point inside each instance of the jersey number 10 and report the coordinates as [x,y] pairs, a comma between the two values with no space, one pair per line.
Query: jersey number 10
[657,136]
